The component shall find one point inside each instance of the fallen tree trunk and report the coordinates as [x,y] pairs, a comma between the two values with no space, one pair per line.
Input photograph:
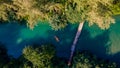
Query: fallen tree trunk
[75,42]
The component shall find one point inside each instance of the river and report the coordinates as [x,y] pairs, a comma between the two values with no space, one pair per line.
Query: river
[102,43]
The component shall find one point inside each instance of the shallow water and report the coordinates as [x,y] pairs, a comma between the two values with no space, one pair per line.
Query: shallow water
[103,43]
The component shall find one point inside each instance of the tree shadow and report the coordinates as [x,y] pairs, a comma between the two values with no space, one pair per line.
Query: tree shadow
[4,57]
[98,45]
[9,35]
[116,58]
[65,36]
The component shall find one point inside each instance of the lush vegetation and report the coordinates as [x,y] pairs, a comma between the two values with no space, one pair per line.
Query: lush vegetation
[59,12]
[116,7]
[44,56]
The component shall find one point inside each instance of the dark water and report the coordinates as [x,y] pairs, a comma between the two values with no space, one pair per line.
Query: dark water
[102,43]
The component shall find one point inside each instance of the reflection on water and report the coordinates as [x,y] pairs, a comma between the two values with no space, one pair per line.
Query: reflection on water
[102,43]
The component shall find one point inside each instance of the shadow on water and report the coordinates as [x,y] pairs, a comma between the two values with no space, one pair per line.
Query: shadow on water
[116,58]
[4,58]
[8,35]
[65,37]
[98,45]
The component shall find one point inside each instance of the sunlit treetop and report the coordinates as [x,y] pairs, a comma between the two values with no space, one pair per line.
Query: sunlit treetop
[93,11]
[41,56]
[59,12]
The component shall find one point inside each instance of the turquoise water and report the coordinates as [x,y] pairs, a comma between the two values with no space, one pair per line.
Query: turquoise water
[102,43]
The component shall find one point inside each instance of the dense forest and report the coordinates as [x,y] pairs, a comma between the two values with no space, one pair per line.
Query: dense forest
[44,56]
[58,13]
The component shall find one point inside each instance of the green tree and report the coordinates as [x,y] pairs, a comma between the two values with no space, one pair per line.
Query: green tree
[40,57]
[4,8]
[116,7]
[87,60]
[44,57]
[26,10]
[58,12]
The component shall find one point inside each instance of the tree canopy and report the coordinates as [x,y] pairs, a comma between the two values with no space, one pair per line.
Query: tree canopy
[87,60]
[116,7]
[40,57]
[58,13]
[44,56]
